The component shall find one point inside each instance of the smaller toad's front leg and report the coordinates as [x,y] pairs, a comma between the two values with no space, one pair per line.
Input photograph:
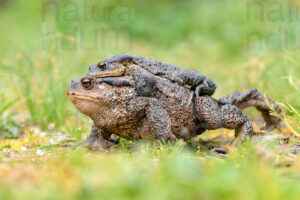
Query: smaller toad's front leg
[98,140]
[208,87]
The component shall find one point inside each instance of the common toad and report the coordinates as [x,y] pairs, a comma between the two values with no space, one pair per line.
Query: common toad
[175,112]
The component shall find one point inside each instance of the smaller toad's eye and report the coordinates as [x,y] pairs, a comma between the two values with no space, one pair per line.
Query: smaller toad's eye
[102,66]
[87,83]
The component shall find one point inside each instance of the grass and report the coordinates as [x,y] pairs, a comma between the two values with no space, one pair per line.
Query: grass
[38,124]
[169,173]
[9,127]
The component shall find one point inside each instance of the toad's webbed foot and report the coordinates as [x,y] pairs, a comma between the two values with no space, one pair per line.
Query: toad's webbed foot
[212,115]
[98,140]
[257,99]
[114,139]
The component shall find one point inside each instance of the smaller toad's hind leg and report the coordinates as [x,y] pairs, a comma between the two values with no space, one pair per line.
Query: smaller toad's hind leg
[98,140]
[255,98]
[212,115]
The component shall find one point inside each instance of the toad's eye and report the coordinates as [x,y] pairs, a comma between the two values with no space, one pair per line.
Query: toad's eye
[87,83]
[102,66]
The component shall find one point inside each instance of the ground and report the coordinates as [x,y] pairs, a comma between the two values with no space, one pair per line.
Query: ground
[235,44]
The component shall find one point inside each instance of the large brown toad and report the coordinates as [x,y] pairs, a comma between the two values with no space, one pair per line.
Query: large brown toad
[175,112]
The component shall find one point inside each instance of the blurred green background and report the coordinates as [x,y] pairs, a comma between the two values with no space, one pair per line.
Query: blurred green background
[239,44]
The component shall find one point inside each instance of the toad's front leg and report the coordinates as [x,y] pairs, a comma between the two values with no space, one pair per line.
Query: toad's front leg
[98,140]
[157,119]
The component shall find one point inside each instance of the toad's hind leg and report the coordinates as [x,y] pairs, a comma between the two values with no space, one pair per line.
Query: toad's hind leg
[255,98]
[234,118]
[212,115]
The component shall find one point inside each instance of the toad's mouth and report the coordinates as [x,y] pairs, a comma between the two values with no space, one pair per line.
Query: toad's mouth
[116,73]
[81,96]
